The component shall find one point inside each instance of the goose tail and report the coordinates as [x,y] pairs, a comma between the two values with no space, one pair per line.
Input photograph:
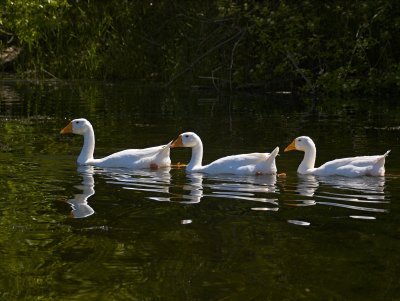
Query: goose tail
[273,154]
[381,159]
[165,150]
[161,159]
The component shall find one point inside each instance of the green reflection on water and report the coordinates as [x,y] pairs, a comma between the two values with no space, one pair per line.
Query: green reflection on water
[169,236]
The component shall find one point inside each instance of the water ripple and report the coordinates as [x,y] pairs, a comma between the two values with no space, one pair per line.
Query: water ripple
[350,199]
[352,207]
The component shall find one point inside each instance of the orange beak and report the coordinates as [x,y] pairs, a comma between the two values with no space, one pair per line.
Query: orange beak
[67,129]
[291,146]
[177,142]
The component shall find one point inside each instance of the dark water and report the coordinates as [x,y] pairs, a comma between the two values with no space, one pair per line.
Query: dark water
[69,233]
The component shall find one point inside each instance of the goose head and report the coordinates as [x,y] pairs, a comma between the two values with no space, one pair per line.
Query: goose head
[302,143]
[77,126]
[188,139]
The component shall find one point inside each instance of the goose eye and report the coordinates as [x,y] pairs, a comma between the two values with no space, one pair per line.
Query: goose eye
[186,136]
[299,140]
[77,122]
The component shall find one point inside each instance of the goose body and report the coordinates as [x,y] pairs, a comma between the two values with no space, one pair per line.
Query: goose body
[243,164]
[349,167]
[152,157]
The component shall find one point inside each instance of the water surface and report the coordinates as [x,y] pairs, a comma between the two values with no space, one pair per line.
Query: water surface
[74,233]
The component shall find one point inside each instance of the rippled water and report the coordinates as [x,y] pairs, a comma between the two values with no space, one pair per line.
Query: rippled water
[363,197]
[73,233]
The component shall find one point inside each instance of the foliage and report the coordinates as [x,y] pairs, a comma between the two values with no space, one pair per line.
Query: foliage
[309,46]
[332,46]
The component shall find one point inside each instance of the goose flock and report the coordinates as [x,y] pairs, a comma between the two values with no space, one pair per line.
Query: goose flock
[241,164]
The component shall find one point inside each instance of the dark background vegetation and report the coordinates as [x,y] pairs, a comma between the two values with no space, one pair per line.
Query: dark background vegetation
[328,47]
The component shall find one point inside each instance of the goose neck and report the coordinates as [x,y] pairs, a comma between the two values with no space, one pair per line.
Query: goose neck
[308,162]
[197,157]
[88,147]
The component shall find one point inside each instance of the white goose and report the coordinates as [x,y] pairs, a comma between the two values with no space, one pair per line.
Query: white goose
[244,164]
[349,167]
[152,157]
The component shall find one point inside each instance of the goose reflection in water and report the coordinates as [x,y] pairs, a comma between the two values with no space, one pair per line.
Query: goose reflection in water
[79,204]
[155,183]
[248,188]
[307,185]
[363,193]
[375,185]
[194,186]
[262,189]
[243,185]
